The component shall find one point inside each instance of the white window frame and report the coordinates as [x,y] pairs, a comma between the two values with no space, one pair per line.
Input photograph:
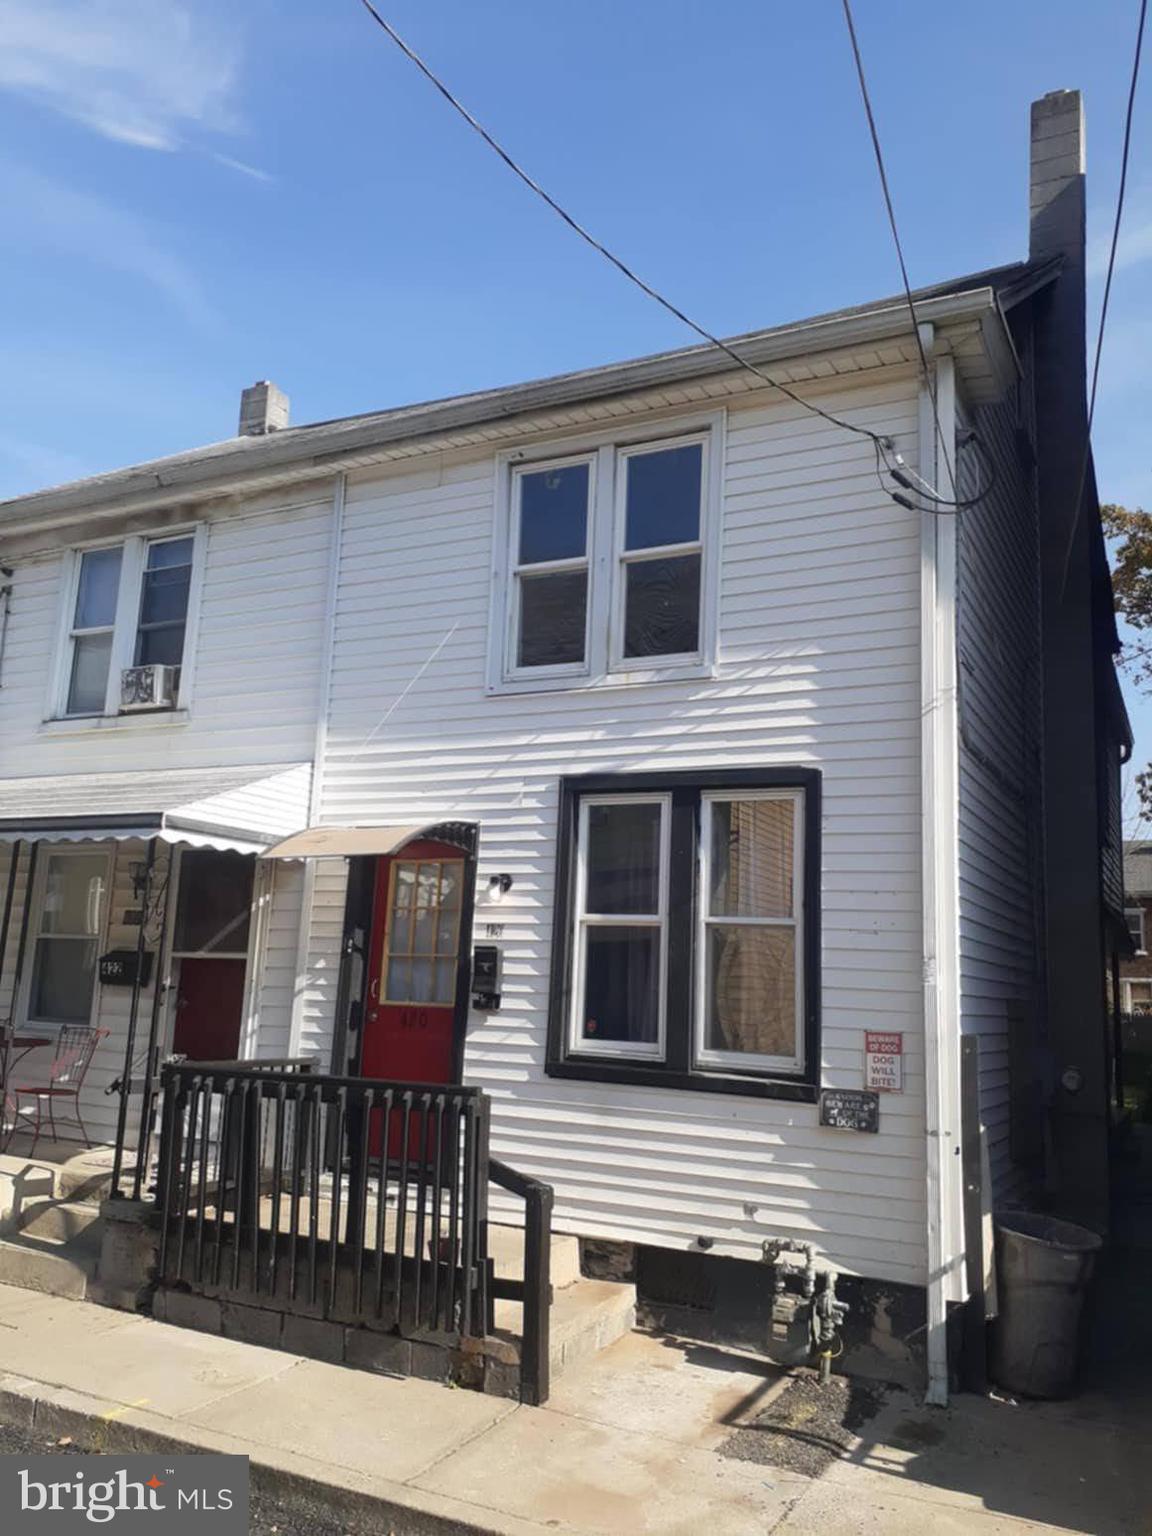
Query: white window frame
[517,571]
[624,557]
[604,663]
[629,1050]
[704,1058]
[102,856]
[1138,913]
[1135,981]
[128,600]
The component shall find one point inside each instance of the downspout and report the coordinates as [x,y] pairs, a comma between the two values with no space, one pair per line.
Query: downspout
[940,877]
[320,747]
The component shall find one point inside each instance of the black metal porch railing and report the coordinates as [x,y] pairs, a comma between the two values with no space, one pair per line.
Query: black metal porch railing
[360,1201]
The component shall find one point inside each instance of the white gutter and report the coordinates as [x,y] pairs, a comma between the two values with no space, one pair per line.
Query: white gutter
[939,790]
[322,449]
[319,750]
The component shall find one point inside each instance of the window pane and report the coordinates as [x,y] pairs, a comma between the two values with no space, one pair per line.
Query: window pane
[164,599]
[88,687]
[169,552]
[663,497]
[751,990]
[621,984]
[623,859]
[421,991]
[73,896]
[553,514]
[164,646]
[446,936]
[399,981]
[552,619]
[751,858]
[214,903]
[99,584]
[662,607]
[445,981]
[62,977]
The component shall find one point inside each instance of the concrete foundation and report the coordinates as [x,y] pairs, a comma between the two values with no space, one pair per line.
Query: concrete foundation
[726,1301]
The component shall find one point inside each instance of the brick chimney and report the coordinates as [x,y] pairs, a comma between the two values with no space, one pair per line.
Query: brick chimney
[263,409]
[1056,183]
[1057,227]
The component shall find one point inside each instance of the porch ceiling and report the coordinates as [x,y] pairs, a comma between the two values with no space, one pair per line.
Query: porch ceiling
[240,809]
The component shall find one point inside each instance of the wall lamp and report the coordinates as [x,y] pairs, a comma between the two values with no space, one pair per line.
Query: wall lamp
[497,886]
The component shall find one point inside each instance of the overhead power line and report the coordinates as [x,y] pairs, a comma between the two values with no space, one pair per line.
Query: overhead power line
[882,444]
[929,379]
[1121,191]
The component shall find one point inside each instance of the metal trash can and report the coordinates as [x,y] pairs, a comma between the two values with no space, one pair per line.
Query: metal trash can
[1044,1267]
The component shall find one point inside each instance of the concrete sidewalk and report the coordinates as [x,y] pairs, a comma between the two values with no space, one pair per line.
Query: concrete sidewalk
[628,1442]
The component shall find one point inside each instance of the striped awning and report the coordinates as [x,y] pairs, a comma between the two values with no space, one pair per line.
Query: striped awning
[242,810]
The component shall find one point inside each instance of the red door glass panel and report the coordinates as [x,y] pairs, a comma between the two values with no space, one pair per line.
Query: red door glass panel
[409,1020]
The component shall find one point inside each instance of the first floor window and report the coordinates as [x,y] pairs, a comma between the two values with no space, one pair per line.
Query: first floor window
[1139,996]
[687,928]
[1134,917]
[69,920]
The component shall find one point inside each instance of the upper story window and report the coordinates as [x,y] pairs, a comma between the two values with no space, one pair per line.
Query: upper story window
[605,563]
[128,608]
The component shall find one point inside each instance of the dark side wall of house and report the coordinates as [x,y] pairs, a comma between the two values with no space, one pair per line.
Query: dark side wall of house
[1081,732]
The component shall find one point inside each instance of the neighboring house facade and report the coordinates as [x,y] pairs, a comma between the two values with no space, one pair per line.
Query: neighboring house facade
[1136,968]
[641,679]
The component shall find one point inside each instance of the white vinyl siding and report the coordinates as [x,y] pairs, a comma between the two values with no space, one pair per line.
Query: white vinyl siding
[252,663]
[817,666]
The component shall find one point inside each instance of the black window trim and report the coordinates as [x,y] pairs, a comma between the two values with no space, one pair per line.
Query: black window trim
[685,787]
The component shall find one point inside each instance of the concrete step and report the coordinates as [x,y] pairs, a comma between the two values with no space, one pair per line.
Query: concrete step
[587,1316]
[61,1221]
[23,1179]
[506,1248]
[58,1268]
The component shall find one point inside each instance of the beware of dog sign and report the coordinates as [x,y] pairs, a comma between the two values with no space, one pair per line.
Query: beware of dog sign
[884,1061]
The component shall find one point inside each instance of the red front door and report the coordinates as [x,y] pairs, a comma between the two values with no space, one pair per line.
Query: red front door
[409,1019]
[209,1008]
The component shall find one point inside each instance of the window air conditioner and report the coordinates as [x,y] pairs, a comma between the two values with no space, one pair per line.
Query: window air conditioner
[151,687]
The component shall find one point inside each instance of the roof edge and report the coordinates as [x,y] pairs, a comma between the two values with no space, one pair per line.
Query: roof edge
[312,450]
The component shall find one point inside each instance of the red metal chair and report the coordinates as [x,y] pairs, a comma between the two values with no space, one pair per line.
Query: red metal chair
[75,1047]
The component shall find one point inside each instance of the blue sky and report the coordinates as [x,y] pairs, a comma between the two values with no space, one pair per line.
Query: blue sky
[199,194]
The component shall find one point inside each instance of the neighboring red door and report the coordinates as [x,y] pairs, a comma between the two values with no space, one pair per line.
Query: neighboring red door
[209,1009]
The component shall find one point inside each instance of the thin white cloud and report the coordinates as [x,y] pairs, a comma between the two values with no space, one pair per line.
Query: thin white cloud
[25,465]
[244,168]
[142,72]
[1133,247]
[52,216]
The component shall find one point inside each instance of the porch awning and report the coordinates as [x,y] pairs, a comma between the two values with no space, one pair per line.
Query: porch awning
[241,810]
[343,842]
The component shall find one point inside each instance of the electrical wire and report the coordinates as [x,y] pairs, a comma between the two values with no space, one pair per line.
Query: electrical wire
[880,442]
[887,191]
[1120,195]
